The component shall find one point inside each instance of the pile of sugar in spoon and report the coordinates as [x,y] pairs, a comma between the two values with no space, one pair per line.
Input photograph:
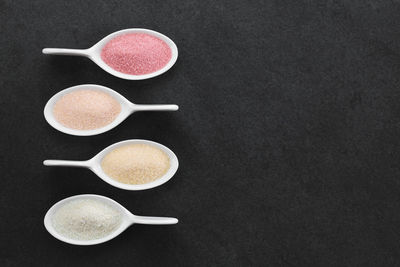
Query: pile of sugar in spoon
[86,219]
[136,164]
[136,53]
[86,109]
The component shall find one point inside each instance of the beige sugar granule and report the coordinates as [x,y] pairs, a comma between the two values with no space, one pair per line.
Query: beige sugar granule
[86,109]
[136,164]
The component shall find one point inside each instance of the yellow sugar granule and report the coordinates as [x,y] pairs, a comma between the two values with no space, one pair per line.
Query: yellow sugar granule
[136,164]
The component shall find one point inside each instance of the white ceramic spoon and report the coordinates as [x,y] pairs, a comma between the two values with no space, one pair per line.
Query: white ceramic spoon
[94,53]
[94,164]
[127,220]
[127,108]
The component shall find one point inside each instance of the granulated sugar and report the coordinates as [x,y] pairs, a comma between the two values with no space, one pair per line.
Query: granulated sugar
[86,109]
[86,219]
[136,53]
[136,164]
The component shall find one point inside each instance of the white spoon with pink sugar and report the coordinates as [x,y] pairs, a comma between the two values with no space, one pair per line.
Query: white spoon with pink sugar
[91,109]
[131,54]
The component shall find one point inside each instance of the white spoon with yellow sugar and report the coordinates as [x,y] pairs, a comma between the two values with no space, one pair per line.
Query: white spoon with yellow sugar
[131,165]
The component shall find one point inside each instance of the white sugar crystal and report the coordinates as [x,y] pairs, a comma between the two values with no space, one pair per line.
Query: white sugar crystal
[86,219]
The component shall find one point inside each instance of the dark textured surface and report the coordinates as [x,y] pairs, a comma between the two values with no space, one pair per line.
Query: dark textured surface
[287,133]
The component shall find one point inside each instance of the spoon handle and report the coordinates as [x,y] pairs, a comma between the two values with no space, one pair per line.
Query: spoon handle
[137,107]
[66,163]
[153,220]
[65,52]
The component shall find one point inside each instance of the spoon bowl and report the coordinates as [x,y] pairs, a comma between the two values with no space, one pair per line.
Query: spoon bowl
[127,108]
[94,164]
[127,219]
[94,53]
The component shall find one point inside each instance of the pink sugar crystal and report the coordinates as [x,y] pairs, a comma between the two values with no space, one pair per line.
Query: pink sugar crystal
[86,109]
[136,53]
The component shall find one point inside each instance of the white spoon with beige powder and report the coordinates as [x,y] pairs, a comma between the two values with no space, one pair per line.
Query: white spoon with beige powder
[131,165]
[91,109]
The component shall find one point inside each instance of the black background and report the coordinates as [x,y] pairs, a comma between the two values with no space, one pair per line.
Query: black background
[287,133]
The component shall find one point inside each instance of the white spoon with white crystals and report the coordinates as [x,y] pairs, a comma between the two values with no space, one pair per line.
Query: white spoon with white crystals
[94,53]
[127,108]
[126,219]
[94,164]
